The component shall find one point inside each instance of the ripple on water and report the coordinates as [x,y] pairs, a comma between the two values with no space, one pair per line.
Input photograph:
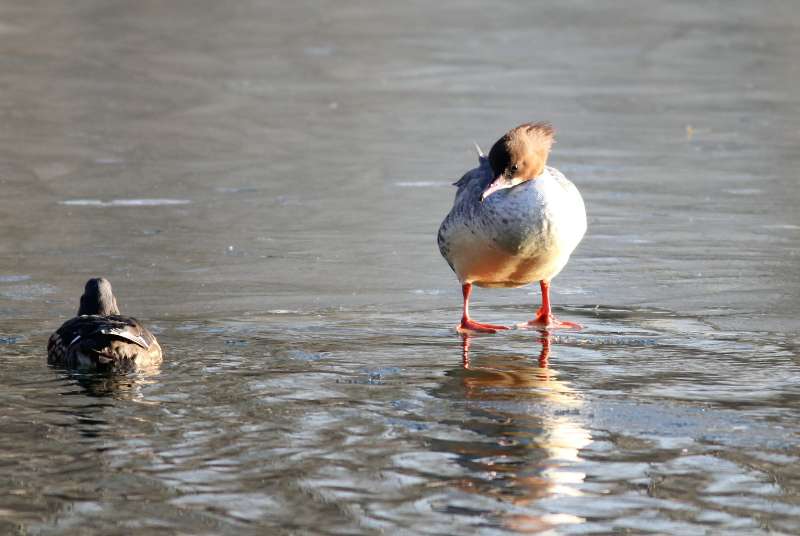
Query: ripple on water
[124,202]
[355,418]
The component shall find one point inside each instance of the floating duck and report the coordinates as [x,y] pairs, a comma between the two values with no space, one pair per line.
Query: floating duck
[100,337]
[514,221]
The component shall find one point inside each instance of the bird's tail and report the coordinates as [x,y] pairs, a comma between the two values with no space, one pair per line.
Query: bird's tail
[481,156]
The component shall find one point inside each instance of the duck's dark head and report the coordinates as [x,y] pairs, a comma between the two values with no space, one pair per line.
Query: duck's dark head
[98,298]
[519,156]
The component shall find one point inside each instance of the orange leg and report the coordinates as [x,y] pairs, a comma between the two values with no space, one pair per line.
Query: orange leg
[544,316]
[467,324]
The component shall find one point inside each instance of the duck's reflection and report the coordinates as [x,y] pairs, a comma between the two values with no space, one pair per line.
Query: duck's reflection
[88,415]
[119,384]
[526,429]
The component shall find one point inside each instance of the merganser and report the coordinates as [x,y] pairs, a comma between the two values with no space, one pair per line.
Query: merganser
[514,221]
[99,337]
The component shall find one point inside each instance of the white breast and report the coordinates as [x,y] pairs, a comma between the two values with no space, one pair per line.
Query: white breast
[516,236]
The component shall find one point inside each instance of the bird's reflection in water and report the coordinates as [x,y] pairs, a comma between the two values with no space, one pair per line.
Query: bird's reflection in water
[122,384]
[527,429]
[86,407]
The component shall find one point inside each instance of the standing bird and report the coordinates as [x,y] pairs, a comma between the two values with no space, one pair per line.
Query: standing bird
[514,221]
[100,337]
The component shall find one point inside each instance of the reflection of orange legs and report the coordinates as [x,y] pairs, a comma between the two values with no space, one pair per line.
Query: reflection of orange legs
[544,316]
[544,353]
[467,324]
[465,350]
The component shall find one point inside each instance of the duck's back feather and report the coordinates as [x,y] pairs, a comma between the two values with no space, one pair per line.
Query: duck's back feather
[102,340]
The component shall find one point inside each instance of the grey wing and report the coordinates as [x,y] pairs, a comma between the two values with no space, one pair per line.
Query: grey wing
[477,179]
[444,247]
[467,199]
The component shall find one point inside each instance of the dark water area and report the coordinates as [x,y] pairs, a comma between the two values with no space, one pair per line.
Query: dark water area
[262,183]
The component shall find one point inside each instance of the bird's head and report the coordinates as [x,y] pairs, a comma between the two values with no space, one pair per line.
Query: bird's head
[519,156]
[98,298]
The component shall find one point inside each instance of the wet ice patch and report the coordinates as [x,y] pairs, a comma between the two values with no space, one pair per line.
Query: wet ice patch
[422,184]
[13,278]
[285,201]
[428,292]
[52,170]
[201,328]
[123,202]
[604,340]
[235,190]
[319,51]
[743,191]
[573,291]
[302,355]
[786,226]
[634,239]
[27,292]
[8,29]
[372,376]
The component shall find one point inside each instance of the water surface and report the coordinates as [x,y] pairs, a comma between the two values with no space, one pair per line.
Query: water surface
[262,184]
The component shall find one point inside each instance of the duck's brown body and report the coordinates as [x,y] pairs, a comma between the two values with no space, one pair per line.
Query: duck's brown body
[103,338]
[103,341]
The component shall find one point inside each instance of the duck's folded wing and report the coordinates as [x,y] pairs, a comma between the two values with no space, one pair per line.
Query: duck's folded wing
[129,329]
[85,327]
